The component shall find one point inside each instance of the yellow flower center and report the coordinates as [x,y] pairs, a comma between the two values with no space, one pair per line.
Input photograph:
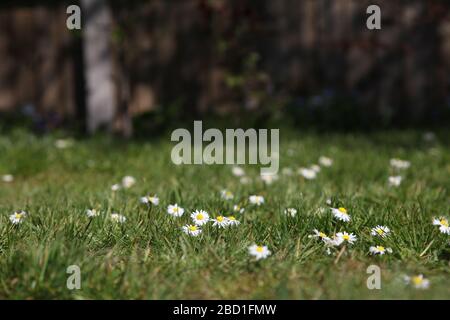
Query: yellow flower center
[259,249]
[18,215]
[417,280]
[175,209]
[199,216]
[322,235]
[231,218]
[380,248]
[346,237]
[192,228]
[343,210]
[444,222]
[380,231]
[219,218]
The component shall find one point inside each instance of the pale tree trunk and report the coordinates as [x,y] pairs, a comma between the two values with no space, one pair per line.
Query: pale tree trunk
[98,60]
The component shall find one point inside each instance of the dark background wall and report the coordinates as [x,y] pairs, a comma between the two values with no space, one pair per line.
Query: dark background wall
[312,61]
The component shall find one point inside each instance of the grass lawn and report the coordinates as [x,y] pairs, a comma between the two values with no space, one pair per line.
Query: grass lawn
[149,257]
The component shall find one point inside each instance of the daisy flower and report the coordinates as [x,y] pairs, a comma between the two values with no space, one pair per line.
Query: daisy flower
[269,178]
[308,174]
[344,237]
[238,171]
[379,250]
[341,214]
[128,182]
[200,217]
[399,164]
[7,178]
[319,235]
[92,213]
[442,222]
[115,187]
[232,221]
[226,194]
[395,181]
[259,252]
[175,210]
[118,218]
[381,231]
[238,209]
[419,282]
[17,217]
[191,230]
[150,199]
[325,161]
[290,212]
[220,221]
[258,200]
[315,168]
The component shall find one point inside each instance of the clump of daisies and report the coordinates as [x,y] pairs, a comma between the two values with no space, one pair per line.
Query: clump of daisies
[419,281]
[380,250]
[91,213]
[226,195]
[200,217]
[175,210]
[380,231]
[191,230]
[238,209]
[7,178]
[255,199]
[319,235]
[307,173]
[399,164]
[325,161]
[335,240]
[18,217]
[341,214]
[116,217]
[442,222]
[154,200]
[395,181]
[292,212]
[259,252]
[220,221]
